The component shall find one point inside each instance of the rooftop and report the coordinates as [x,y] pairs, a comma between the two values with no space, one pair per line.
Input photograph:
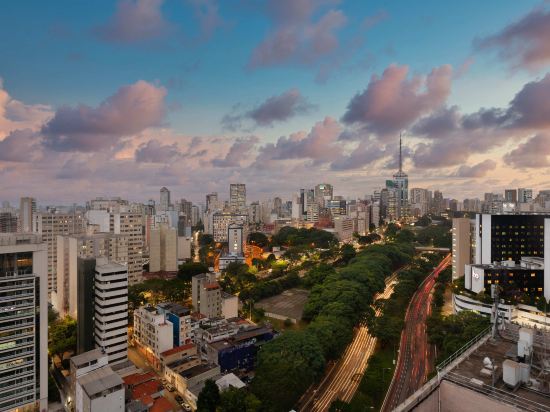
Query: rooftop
[161,405]
[137,378]
[197,370]
[178,349]
[85,358]
[99,380]
[144,389]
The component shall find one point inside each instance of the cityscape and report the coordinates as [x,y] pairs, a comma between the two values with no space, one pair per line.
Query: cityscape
[274,206]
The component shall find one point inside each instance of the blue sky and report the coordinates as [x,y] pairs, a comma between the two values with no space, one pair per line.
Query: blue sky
[57,54]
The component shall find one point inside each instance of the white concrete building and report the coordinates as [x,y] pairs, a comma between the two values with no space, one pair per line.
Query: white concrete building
[184,248]
[100,390]
[343,228]
[153,332]
[111,309]
[24,322]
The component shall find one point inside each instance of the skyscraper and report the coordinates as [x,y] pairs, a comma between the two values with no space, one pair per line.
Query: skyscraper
[525,195]
[24,322]
[164,199]
[237,196]
[27,208]
[511,195]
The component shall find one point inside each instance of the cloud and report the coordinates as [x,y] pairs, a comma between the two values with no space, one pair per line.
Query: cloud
[130,110]
[274,109]
[135,21]
[238,152]
[320,145]
[477,170]
[392,102]
[370,21]
[365,153]
[19,146]
[531,154]
[297,34]
[155,152]
[15,114]
[530,108]
[525,43]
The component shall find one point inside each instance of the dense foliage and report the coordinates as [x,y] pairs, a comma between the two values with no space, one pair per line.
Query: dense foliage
[436,235]
[238,400]
[62,336]
[338,301]
[187,270]
[289,236]
[209,397]
[258,239]
[153,291]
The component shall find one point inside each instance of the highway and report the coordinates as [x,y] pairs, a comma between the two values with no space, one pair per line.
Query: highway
[415,353]
[343,378]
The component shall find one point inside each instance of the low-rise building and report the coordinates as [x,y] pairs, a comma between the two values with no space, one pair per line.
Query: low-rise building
[153,333]
[99,391]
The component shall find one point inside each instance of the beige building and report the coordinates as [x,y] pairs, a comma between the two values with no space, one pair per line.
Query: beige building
[130,225]
[163,249]
[343,228]
[69,249]
[51,225]
[206,295]
[462,246]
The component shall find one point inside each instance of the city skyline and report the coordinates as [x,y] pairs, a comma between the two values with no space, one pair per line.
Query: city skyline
[129,97]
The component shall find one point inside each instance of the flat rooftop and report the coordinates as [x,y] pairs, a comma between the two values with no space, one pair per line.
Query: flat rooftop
[289,304]
[469,371]
[197,370]
[99,380]
[85,358]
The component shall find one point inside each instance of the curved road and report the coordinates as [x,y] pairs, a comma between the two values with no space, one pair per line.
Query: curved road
[342,379]
[415,353]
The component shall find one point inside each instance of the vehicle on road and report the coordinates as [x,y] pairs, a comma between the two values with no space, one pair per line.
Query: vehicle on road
[170,388]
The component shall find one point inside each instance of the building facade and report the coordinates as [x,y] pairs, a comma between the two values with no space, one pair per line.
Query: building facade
[24,322]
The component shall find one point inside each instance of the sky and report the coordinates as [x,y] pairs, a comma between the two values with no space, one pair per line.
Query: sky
[120,98]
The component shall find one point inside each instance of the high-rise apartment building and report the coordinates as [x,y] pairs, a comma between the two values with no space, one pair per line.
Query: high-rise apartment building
[23,322]
[212,201]
[525,195]
[163,249]
[419,202]
[111,309]
[27,209]
[51,225]
[8,222]
[235,239]
[323,192]
[219,222]
[164,199]
[237,196]
[69,249]
[130,225]
[511,195]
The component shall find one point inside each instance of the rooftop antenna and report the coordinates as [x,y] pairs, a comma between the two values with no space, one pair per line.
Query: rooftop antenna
[400,155]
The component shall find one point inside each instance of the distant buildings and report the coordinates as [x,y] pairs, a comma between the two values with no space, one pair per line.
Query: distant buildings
[164,199]
[27,209]
[24,322]
[163,249]
[237,196]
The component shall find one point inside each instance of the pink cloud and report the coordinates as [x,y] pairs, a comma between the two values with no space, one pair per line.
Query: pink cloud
[130,110]
[393,101]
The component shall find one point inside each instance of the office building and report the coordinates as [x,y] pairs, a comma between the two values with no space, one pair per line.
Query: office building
[206,295]
[51,225]
[164,200]
[111,309]
[235,239]
[27,209]
[343,228]
[180,318]
[212,203]
[419,202]
[218,222]
[113,204]
[24,322]
[323,192]
[163,249]
[237,196]
[461,246]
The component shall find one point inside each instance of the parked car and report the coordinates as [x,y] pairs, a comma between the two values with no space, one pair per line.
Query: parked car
[186,407]
[170,387]
[178,399]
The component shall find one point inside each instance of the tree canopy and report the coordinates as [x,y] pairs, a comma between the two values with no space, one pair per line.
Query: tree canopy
[209,397]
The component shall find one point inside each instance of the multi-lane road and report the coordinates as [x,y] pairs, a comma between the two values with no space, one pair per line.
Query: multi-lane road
[416,355]
[342,378]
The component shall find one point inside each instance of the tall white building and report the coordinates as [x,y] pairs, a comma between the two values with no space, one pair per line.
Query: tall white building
[23,323]
[419,201]
[111,309]
[235,239]
[27,209]
[218,223]
[237,196]
[51,225]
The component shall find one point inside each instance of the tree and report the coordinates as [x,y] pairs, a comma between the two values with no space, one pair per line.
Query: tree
[187,270]
[238,400]
[206,240]
[258,239]
[62,336]
[391,230]
[286,367]
[209,397]
[347,252]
